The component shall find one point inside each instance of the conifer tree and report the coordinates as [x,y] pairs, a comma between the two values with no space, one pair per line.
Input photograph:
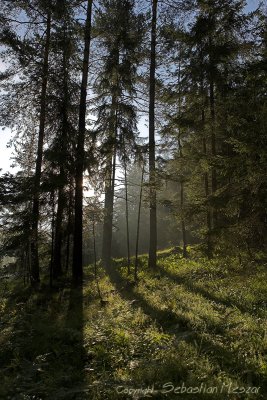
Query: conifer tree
[152,164]
[35,273]
[63,119]
[77,262]
[115,86]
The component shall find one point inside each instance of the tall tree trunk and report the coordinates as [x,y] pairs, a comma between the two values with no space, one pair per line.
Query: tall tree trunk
[52,239]
[69,228]
[35,271]
[57,266]
[94,247]
[152,164]
[207,192]
[110,187]
[57,261]
[213,135]
[183,227]
[77,262]
[127,216]
[206,175]
[29,261]
[108,209]
[138,224]
[213,151]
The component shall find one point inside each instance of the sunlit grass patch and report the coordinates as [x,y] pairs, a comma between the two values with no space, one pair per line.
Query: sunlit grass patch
[189,322]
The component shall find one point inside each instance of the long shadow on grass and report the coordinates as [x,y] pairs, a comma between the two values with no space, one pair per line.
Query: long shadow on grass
[24,344]
[74,358]
[41,352]
[167,320]
[190,286]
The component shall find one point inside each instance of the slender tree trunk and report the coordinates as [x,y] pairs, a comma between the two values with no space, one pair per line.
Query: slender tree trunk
[152,164]
[61,204]
[127,217]
[138,224]
[207,192]
[57,262]
[69,229]
[183,227]
[24,268]
[110,189]
[213,136]
[29,262]
[213,151]
[77,262]
[35,271]
[206,175]
[183,220]
[108,217]
[52,239]
[94,246]
[108,210]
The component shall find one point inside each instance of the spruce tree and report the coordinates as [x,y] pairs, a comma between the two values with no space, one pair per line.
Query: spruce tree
[115,86]
[77,262]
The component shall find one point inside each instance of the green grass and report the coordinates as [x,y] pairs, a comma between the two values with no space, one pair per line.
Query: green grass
[191,322]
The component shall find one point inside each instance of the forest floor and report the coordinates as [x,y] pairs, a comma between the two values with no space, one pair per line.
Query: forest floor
[192,329]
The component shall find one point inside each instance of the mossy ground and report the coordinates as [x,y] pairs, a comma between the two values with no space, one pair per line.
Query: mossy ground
[190,322]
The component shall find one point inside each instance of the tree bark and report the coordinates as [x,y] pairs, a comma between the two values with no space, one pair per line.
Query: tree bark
[213,153]
[61,204]
[138,224]
[110,187]
[69,227]
[213,135]
[94,248]
[207,192]
[57,261]
[35,270]
[183,226]
[52,239]
[127,216]
[152,164]
[108,209]
[77,262]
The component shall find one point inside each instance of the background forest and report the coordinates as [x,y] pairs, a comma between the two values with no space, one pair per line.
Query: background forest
[134,221]
[82,84]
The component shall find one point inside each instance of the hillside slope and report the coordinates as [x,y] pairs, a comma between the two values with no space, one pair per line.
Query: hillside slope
[192,329]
